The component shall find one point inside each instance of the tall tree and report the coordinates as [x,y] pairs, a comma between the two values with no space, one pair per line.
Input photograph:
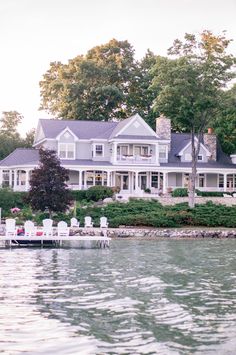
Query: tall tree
[93,86]
[48,189]
[225,122]
[9,137]
[190,86]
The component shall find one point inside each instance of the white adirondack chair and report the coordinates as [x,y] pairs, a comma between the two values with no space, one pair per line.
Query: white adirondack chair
[74,222]
[62,229]
[47,227]
[11,227]
[103,222]
[30,229]
[88,222]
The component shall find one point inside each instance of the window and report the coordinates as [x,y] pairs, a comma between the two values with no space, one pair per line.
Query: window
[221,181]
[98,150]
[201,180]
[5,178]
[200,158]
[140,150]
[154,182]
[162,151]
[67,150]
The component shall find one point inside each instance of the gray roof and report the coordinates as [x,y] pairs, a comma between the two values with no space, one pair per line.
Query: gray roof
[82,129]
[21,156]
[180,140]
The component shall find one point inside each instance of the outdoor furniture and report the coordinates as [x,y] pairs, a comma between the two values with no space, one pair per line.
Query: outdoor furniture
[62,229]
[88,222]
[234,194]
[47,227]
[103,222]
[74,222]
[11,227]
[226,195]
[30,229]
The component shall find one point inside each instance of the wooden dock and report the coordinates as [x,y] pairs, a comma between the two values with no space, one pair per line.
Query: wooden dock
[56,241]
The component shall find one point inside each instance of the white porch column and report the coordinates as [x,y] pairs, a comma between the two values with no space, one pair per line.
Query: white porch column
[85,180]
[136,180]
[164,182]
[1,177]
[10,177]
[80,179]
[108,178]
[15,179]
[157,153]
[26,180]
[225,182]
[115,152]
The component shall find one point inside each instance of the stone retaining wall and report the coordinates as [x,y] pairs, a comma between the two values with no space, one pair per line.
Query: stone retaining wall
[147,233]
[169,200]
[171,233]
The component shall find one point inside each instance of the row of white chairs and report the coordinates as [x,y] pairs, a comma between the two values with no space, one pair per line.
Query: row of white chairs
[63,230]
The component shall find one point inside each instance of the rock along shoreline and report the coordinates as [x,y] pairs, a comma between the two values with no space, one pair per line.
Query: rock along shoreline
[197,233]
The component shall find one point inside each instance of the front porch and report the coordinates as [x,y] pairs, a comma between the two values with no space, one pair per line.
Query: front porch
[133,181]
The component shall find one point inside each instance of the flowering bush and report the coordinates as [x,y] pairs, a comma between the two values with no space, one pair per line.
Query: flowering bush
[15,210]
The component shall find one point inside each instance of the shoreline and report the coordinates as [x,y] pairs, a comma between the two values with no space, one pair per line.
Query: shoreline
[177,233]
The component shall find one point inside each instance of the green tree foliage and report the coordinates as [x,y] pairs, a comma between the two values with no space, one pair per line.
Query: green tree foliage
[10,138]
[48,189]
[106,83]
[190,86]
[225,122]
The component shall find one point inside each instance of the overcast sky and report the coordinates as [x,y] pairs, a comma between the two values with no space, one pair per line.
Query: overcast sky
[35,32]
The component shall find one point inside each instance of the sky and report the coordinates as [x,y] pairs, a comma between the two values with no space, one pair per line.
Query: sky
[34,33]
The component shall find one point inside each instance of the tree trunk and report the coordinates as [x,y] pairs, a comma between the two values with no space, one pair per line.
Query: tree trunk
[193,175]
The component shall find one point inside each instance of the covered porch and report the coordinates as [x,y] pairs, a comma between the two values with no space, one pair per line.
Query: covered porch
[205,181]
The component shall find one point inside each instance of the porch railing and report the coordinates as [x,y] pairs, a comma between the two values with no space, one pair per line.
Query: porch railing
[136,159]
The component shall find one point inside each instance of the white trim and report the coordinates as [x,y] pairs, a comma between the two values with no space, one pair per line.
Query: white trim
[67,129]
[137,117]
[94,150]
[42,140]
[208,153]
[66,144]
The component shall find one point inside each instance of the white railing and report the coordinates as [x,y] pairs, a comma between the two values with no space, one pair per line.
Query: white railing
[136,159]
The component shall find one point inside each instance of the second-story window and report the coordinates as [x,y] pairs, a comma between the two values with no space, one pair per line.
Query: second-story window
[67,150]
[162,151]
[98,150]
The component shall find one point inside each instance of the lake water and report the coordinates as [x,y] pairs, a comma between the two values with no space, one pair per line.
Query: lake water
[138,297]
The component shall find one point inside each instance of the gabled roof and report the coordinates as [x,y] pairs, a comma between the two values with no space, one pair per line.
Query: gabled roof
[81,129]
[52,128]
[21,156]
[180,140]
[181,152]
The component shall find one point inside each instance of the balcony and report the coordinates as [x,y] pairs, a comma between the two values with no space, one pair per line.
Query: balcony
[136,159]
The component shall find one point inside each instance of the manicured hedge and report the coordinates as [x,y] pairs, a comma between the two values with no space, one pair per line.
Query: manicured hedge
[94,193]
[180,192]
[153,214]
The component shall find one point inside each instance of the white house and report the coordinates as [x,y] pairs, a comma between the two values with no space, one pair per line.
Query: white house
[127,154]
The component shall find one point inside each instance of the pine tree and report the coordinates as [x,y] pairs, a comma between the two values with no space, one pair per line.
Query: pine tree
[48,189]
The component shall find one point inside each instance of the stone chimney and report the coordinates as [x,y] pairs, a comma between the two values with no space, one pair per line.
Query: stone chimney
[163,127]
[210,142]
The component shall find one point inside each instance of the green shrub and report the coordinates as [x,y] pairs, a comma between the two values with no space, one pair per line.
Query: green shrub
[209,193]
[96,193]
[180,192]
[10,199]
[78,195]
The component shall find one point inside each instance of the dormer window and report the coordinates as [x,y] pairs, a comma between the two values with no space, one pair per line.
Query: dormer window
[66,151]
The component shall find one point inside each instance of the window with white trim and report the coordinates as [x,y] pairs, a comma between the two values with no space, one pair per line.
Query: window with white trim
[200,158]
[98,150]
[162,152]
[66,150]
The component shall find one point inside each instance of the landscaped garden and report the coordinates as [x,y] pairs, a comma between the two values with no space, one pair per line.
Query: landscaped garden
[134,213]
